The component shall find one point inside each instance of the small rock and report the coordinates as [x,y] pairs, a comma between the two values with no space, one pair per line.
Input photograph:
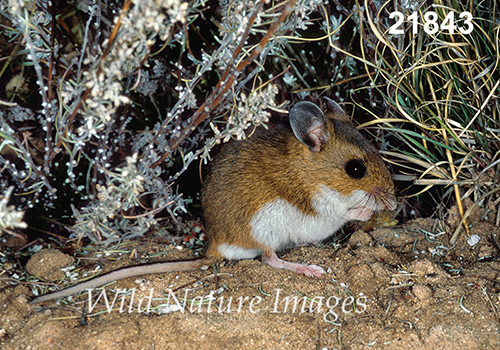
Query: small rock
[47,264]
[15,242]
[428,271]
[359,238]
[422,292]
[472,240]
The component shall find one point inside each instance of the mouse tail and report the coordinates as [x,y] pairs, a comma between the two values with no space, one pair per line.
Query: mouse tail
[132,271]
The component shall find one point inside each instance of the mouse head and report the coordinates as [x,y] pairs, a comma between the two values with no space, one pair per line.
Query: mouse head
[338,156]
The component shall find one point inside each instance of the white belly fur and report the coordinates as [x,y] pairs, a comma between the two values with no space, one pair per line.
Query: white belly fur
[280,225]
[233,252]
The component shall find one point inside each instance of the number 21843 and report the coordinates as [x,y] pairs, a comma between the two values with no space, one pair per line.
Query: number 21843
[431,22]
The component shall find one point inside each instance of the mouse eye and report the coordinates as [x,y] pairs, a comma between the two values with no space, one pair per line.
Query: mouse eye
[355,169]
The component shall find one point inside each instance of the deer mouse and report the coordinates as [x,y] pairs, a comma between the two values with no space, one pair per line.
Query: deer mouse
[285,186]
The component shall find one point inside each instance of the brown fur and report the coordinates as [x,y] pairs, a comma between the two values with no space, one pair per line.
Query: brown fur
[274,164]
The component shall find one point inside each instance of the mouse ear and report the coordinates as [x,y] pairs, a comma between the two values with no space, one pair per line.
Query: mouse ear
[308,125]
[335,111]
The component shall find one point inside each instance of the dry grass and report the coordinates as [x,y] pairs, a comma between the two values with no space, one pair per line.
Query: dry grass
[441,94]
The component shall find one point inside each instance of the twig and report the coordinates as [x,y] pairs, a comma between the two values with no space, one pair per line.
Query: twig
[218,95]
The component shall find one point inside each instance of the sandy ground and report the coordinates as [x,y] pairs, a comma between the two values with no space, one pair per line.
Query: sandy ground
[391,288]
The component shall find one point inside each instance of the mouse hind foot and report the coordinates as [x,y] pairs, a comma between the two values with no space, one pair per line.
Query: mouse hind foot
[270,258]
